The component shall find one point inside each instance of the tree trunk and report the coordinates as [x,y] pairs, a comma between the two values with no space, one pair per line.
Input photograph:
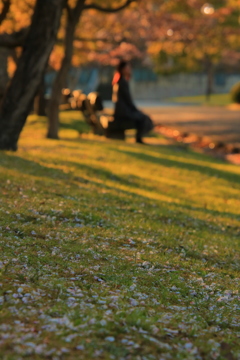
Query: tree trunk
[61,78]
[19,97]
[40,101]
[4,54]
[209,89]
[58,85]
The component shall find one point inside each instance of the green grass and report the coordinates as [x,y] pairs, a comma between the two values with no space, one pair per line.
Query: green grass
[113,250]
[215,100]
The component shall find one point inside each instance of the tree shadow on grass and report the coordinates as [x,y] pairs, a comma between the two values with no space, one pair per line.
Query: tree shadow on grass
[128,198]
[30,167]
[98,176]
[134,182]
[203,169]
[78,125]
[207,211]
[129,180]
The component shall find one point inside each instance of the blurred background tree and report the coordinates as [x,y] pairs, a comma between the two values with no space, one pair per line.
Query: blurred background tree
[15,18]
[199,37]
[74,11]
[18,98]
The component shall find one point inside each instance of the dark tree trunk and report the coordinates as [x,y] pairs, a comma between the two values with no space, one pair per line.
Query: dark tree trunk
[61,78]
[5,9]
[19,97]
[15,39]
[40,101]
[4,54]
[210,72]
[58,85]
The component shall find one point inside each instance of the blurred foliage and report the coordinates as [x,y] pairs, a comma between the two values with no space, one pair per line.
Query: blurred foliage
[171,35]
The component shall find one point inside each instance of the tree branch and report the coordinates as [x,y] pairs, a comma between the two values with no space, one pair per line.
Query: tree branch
[69,10]
[94,40]
[15,39]
[74,13]
[6,6]
[89,40]
[108,10]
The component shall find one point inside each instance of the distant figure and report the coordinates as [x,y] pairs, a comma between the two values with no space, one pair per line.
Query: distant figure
[125,110]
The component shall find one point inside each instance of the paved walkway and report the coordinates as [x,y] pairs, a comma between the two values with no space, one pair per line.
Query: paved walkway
[217,123]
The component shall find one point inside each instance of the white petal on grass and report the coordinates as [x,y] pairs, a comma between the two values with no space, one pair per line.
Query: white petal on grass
[110,338]
[133,302]
[80,347]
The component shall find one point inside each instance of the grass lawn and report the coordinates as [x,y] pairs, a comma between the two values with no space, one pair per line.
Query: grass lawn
[215,100]
[112,250]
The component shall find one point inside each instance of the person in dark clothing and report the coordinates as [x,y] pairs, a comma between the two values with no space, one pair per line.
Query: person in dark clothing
[125,110]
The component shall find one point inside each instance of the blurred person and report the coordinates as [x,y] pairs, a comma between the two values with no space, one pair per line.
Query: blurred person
[125,110]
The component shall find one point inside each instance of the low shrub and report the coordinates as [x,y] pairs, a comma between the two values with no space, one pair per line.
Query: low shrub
[235,93]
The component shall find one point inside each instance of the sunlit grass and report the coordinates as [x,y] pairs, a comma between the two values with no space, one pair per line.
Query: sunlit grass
[114,250]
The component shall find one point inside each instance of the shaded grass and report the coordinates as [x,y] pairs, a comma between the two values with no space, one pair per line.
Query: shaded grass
[116,251]
[215,100]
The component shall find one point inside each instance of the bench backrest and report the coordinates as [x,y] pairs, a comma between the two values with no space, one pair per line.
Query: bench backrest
[90,108]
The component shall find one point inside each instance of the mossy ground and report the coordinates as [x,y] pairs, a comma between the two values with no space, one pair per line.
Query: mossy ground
[113,250]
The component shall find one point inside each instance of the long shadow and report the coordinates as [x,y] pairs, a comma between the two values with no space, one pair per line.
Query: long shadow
[77,125]
[100,173]
[133,182]
[180,219]
[122,196]
[177,150]
[208,211]
[31,167]
[203,169]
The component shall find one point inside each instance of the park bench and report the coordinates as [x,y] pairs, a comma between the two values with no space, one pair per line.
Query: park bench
[100,122]
[91,106]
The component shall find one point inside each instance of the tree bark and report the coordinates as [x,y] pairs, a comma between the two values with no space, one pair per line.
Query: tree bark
[19,97]
[40,101]
[61,78]
[210,71]
[59,84]
[5,10]
[15,39]
[4,54]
